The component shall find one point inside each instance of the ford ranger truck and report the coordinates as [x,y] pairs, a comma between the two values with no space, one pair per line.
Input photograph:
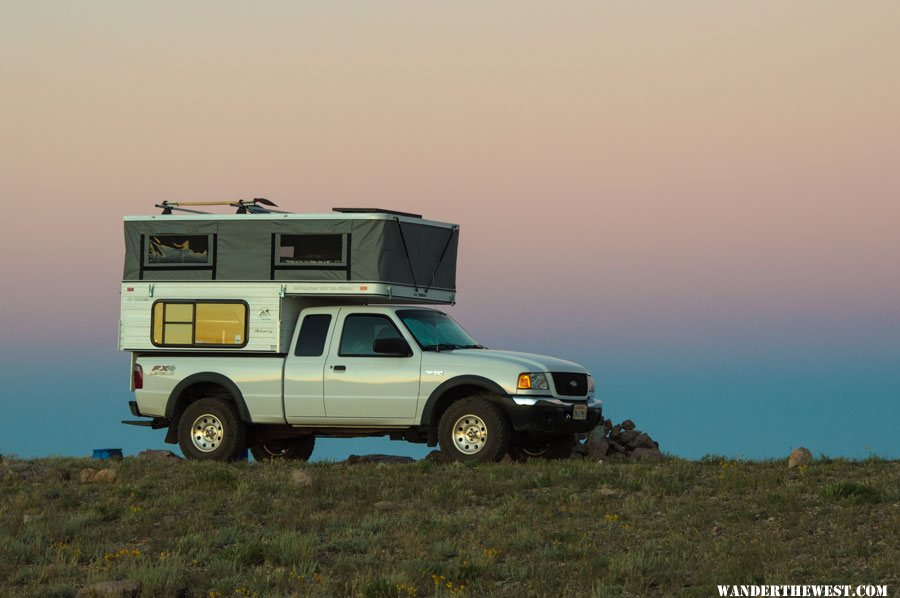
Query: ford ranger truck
[409,373]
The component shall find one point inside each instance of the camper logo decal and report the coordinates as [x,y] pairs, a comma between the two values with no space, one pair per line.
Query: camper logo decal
[264,314]
[163,370]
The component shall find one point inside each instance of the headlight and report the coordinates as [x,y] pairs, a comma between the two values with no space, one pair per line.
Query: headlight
[591,386]
[533,381]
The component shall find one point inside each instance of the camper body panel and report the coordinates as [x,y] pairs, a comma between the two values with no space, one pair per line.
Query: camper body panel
[265,315]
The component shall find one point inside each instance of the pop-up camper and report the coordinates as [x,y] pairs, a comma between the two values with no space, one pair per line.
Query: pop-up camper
[274,264]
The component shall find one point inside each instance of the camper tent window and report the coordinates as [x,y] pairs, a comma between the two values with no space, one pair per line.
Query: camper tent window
[177,250]
[310,250]
[199,324]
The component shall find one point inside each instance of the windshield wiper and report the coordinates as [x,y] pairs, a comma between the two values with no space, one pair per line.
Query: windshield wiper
[442,347]
[449,347]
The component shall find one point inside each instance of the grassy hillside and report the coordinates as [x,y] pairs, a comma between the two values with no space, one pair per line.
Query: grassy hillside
[574,528]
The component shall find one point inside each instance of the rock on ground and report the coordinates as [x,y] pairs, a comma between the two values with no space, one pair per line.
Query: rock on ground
[437,457]
[646,453]
[358,459]
[89,476]
[158,455]
[620,441]
[799,456]
[111,589]
[628,436]
[597,449]
[301,478]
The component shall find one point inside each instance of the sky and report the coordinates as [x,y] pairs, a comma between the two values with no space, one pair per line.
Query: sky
[697,201]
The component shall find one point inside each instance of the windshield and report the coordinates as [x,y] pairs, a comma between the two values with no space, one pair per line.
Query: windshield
[436,331]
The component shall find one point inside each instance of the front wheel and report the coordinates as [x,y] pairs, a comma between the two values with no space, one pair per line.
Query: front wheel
[474,429]
[551,448]
[290,449]
[211,429]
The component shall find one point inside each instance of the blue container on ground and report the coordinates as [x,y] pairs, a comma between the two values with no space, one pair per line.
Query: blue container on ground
[107,454]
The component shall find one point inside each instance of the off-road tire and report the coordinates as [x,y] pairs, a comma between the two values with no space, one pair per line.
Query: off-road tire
[551,448]
[285,449]
[484,417]
[211,429]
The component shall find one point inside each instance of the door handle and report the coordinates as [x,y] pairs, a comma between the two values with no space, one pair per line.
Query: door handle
[339,368]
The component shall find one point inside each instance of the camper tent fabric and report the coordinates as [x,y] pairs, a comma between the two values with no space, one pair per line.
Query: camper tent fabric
[253,248]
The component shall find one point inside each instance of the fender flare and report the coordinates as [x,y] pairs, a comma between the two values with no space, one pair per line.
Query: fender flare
[465,380]
[210,378]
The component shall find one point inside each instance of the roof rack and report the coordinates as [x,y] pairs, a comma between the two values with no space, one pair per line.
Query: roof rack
[257,205]
[374,211]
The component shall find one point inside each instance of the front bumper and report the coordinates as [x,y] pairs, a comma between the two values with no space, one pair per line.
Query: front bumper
[551,416]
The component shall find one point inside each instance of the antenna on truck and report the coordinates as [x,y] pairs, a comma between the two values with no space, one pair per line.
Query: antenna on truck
[257,205]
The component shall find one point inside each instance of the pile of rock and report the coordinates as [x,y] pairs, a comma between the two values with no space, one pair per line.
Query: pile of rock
[621,441]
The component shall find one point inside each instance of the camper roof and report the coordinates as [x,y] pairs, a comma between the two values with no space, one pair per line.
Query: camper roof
[338,214]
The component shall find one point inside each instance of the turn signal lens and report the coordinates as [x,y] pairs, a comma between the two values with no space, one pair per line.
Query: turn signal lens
[533,381]
[524,382]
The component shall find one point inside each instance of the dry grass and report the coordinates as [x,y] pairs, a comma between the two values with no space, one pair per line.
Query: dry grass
[573,528]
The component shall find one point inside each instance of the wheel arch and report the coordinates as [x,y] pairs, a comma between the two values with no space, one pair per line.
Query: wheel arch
[451,391]
[194,387]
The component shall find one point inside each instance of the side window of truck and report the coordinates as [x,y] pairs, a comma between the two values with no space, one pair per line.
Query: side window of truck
[362,330]
[312,336]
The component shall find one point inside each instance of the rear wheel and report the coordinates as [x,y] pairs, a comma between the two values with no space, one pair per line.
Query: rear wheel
[474,429]
[211,429]
[551,448]
[291,449]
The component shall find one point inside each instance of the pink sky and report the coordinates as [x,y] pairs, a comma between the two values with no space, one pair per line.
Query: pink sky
[635,166]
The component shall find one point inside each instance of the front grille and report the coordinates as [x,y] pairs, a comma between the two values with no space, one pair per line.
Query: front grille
[570,385]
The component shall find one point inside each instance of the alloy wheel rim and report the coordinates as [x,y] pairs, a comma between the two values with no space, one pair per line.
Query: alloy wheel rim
[469,434]
[207,433]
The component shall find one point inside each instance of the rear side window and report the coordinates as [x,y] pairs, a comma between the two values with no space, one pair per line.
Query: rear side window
[362,330]
[312,336]
[199,324]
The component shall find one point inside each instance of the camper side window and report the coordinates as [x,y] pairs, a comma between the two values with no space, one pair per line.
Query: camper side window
[199,324]
[177,250]
[310,250]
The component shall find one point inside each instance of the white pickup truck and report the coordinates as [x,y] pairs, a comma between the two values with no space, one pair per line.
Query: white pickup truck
[410,373]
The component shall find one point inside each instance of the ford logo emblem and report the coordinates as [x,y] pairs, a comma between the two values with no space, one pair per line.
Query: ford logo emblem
[573,384]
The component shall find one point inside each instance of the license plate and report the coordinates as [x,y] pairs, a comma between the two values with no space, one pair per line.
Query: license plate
[579,412]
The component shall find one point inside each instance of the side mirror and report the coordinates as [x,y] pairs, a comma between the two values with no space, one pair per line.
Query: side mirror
[393,347]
